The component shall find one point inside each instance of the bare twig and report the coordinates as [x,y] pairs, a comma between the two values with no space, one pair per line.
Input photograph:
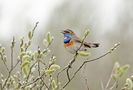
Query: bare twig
[33,30]
[109,80]
[60,73]
[9,74]
[2,58]
[42,63]
[11,57]
[87,61]
[44,84]
[102,86]
[1,86]
[35,80]
[113,85]
[39,72]
[86,82]
[75,56]
[85,77]
[31,70]
[6,79]
[12,47]
[35,26]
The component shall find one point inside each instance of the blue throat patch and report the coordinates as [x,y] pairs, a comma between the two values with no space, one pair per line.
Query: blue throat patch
[67,38]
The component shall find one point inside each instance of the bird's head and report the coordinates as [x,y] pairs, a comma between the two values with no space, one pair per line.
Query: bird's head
[68,31]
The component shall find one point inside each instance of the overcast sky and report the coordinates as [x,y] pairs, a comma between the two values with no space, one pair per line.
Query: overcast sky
[15,14]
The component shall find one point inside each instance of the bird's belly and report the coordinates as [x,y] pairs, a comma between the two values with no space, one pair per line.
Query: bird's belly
[72,49]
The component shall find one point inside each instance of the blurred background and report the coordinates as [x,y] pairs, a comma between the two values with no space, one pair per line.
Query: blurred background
[110,22]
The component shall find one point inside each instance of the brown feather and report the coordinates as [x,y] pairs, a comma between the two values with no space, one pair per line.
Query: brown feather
[91,45]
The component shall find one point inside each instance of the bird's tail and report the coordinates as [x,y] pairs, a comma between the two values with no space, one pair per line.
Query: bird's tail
[91,45]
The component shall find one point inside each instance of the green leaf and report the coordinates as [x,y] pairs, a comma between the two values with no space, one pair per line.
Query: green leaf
[16,84]
[25,63]
[49,37]
[129,83]
[49,71]
[55,67]
[83,53]
[22,54]
[125,68]
[30,35]
[25,70]
[87,31]
[26,58]
[2,50]
[25,66]
[13,42]
[53,84]
[52,69]
[116,66]
[131,77]
[119,71]
[45,42]
[21,42]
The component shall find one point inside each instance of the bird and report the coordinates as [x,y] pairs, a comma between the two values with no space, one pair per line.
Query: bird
[72,42]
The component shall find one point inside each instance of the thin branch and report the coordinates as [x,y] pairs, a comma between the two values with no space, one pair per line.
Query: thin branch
[102,86]
[6,79]
[11,57]
[60,73]
[9,75]
[1,86]
[4,62]
[109,80]
[68,76]
[35,80]
[87,61]
[33,30]
[86,82]
[85,77]
[44,84]
[113,85]
[35,26]
[42,63]
[16,65]
[40,76]
[12,47]
[30,70]
[39,72]
[75,56]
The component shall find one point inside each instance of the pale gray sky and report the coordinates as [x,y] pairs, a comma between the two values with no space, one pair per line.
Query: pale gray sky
[14,14]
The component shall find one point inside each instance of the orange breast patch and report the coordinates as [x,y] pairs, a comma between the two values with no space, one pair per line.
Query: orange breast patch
[69,44]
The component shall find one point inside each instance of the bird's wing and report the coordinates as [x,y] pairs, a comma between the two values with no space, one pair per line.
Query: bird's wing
[89,45]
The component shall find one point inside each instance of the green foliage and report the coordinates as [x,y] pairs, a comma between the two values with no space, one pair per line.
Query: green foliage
[25,66]
[119,71]
[30,63]
[37,69]
[48,40]
[53,85]
[52,69]
[83,53]
[128,84]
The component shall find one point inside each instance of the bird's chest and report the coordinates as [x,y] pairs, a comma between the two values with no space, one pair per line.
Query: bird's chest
[72,46]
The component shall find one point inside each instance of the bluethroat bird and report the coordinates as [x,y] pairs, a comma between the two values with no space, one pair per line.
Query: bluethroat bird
[72,42]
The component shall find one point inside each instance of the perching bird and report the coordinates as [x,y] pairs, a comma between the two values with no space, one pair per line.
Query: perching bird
[72,42]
